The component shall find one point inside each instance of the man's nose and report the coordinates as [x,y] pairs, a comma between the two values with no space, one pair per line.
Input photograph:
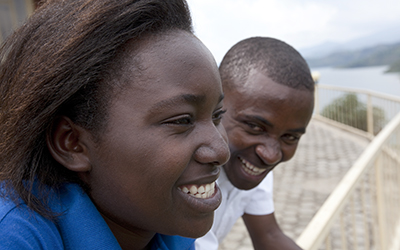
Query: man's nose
[269,151]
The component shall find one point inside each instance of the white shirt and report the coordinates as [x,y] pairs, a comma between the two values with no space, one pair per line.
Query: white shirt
[236,202]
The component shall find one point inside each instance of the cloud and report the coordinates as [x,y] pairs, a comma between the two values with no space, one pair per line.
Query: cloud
[301,23]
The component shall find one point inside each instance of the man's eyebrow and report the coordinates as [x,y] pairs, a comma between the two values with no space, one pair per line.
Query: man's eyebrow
[260,119]
[298,130]
[268,123]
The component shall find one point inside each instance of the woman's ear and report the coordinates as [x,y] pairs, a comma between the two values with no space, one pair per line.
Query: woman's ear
[66,144]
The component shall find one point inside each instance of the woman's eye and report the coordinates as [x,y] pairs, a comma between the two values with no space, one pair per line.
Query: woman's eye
[183,120]
[217,116]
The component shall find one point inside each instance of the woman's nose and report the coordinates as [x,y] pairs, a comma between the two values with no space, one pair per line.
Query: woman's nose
[270,152]
[214,148]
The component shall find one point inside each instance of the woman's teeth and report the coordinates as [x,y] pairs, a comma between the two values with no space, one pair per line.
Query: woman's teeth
[203,191]
[251,169]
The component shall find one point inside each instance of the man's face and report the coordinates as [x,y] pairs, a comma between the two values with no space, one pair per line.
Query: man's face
[264,122]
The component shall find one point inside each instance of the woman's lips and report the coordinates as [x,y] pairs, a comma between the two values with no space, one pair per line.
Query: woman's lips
[200,200]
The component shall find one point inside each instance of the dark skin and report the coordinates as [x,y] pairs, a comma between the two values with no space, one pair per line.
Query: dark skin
[264,123]
[163,134]
[265,233]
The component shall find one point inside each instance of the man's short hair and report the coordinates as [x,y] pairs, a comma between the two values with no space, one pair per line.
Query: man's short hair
[276,59]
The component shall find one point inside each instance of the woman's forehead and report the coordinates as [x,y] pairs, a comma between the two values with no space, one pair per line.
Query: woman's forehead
[175,55]
[176,66]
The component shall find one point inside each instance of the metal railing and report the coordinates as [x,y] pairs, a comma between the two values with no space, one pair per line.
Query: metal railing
[364,110]
[363,212]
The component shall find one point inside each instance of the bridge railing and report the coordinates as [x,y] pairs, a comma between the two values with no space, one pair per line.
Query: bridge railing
[363,210]
[350,108]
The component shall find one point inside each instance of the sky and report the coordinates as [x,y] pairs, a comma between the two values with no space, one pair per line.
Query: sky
[301,23]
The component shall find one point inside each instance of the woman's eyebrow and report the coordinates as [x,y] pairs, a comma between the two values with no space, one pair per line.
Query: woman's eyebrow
[221,97]
[180,99]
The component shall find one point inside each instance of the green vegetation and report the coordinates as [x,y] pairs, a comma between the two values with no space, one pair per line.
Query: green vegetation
[350,111]
[395,67]
[388,54]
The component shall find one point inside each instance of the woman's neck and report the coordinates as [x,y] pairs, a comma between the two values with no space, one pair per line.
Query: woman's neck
[128,239]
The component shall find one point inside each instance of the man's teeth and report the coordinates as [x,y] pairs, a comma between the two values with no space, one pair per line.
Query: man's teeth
[251,169]
[203,191]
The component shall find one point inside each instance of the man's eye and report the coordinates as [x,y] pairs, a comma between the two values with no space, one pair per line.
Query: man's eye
[254,127]
[217,116]
[291,138]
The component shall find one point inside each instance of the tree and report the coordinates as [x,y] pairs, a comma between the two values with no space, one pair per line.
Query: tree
[350,111]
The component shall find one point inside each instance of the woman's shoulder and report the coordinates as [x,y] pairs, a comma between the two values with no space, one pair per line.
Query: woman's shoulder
[22,228]
[172,242]
[78,225]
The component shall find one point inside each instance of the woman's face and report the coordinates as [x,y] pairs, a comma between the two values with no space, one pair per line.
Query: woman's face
[155,166]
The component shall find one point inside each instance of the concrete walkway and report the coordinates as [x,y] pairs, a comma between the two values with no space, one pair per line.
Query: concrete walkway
[301,185]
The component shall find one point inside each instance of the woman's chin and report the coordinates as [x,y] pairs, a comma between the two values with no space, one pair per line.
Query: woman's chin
[196,230]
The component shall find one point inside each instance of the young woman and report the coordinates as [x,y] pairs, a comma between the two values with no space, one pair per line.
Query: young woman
[110,133]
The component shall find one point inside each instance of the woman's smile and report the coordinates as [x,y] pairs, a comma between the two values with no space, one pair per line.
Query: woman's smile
[203,191]
[201,200]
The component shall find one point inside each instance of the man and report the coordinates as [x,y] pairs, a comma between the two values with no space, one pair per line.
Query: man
[269,97]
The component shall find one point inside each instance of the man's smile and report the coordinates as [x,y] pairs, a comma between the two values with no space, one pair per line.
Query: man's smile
[250,168]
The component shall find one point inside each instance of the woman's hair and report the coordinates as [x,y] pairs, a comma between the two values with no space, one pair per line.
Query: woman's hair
[276,59]
[60,62]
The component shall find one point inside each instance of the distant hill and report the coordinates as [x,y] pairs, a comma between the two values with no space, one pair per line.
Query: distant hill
[388,35]
[384,54]
[320,50]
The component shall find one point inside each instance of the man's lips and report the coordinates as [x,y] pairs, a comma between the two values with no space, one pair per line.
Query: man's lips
[202,191]
[250,168]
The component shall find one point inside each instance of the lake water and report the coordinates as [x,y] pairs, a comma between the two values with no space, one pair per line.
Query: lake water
[370,78]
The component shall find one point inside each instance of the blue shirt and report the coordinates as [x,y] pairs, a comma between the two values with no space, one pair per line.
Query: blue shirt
[79,227]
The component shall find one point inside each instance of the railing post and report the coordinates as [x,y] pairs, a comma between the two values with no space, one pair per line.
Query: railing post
[316,100]
[370,115]
[30,6]
[380,200]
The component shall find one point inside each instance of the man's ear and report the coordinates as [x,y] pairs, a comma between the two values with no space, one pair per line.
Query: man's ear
[66,144]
